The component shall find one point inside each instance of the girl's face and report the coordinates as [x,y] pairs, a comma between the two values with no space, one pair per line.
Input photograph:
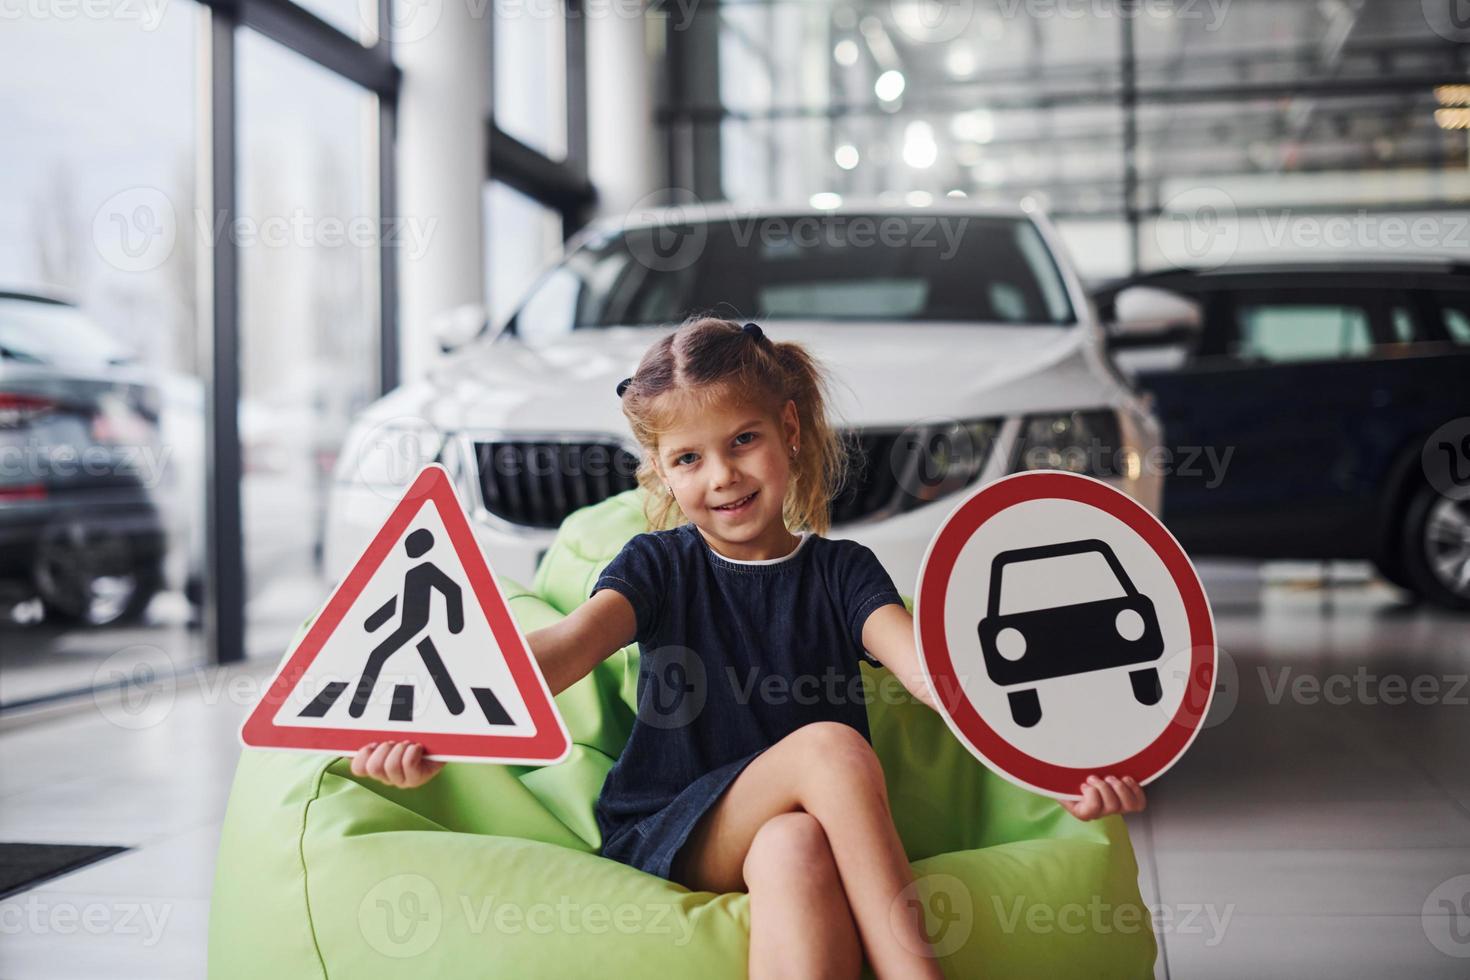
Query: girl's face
[724,455]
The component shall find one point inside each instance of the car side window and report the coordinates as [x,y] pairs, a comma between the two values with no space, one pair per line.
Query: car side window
[1455,315]
[1284,332]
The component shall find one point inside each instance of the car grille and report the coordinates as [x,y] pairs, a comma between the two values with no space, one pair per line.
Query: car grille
[537,483]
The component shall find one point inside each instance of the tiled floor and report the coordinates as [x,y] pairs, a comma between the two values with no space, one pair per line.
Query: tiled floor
[1299,838]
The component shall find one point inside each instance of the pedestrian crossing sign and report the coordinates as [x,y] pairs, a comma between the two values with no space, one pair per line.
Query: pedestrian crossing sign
[417,642]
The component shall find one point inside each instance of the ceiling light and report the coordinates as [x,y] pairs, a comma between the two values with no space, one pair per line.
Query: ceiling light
[889,85]
[846,156]
[919,149]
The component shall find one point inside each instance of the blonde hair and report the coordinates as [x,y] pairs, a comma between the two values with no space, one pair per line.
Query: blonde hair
[709,361]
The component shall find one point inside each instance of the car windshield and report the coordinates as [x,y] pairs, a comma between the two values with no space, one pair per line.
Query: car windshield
[1061,580]
[48,333]
[942,267]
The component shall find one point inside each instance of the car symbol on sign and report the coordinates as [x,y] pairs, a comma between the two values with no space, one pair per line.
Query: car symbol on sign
[1036,628]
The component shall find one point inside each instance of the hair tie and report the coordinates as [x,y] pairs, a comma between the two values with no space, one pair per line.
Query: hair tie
[623,386]
[755,331]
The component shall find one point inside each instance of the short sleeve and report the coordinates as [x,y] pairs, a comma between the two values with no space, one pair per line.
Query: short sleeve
[866,586]
[640,572]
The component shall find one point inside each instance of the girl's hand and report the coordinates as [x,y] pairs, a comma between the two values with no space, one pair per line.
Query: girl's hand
[1103,797]
[400,764]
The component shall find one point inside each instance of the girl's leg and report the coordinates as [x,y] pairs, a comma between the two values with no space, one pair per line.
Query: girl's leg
[801,925]
[829,771]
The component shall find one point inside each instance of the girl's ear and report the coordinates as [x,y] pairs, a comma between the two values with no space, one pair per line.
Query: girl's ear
[790,421]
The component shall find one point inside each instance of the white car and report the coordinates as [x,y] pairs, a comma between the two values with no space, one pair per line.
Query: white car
[960,340]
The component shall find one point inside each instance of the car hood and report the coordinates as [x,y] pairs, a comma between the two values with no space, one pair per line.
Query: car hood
[883,374]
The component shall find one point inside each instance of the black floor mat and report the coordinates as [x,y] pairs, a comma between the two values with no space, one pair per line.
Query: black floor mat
[24,866]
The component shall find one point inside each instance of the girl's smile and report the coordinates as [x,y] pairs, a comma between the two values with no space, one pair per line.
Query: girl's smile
[728,467]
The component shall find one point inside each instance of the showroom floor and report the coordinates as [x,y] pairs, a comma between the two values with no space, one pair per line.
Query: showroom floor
[1315,829]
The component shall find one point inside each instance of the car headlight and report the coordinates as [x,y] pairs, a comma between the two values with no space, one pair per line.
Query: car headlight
[388,453]
[1010,643]
[934,459]
[1089,443]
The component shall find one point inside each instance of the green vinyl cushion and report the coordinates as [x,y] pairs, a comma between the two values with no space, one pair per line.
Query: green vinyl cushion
[493,871]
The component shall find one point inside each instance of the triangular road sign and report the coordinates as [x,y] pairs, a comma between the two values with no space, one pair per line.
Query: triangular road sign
[417,643]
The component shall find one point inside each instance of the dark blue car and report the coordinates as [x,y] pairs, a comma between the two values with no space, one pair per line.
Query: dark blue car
[1298,409]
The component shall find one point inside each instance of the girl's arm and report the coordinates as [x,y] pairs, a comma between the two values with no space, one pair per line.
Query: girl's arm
[889,636]
[566,652]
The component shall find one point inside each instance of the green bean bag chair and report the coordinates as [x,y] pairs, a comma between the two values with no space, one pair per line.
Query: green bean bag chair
[493,871]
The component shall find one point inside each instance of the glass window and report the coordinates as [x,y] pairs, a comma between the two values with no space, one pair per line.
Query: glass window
[358,19]
[101,398]
[308,237]
[955,267]
[523,238]
[530,94]
[1301,332]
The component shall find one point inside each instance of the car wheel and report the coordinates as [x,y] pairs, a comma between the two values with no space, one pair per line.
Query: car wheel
[1025,707]
[93,575]
[1436,548]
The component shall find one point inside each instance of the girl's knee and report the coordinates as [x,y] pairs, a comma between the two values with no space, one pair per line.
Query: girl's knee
[793,846]
[836,753]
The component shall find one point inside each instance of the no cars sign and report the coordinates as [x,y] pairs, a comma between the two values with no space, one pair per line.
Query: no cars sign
[1065,633]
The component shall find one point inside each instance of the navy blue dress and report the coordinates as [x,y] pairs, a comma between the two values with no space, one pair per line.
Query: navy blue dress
[735,656]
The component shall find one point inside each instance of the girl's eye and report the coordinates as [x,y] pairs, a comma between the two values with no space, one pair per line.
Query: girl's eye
[743,435]
[680,460]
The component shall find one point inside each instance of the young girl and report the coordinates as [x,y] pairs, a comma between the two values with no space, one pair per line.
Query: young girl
[749,766]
